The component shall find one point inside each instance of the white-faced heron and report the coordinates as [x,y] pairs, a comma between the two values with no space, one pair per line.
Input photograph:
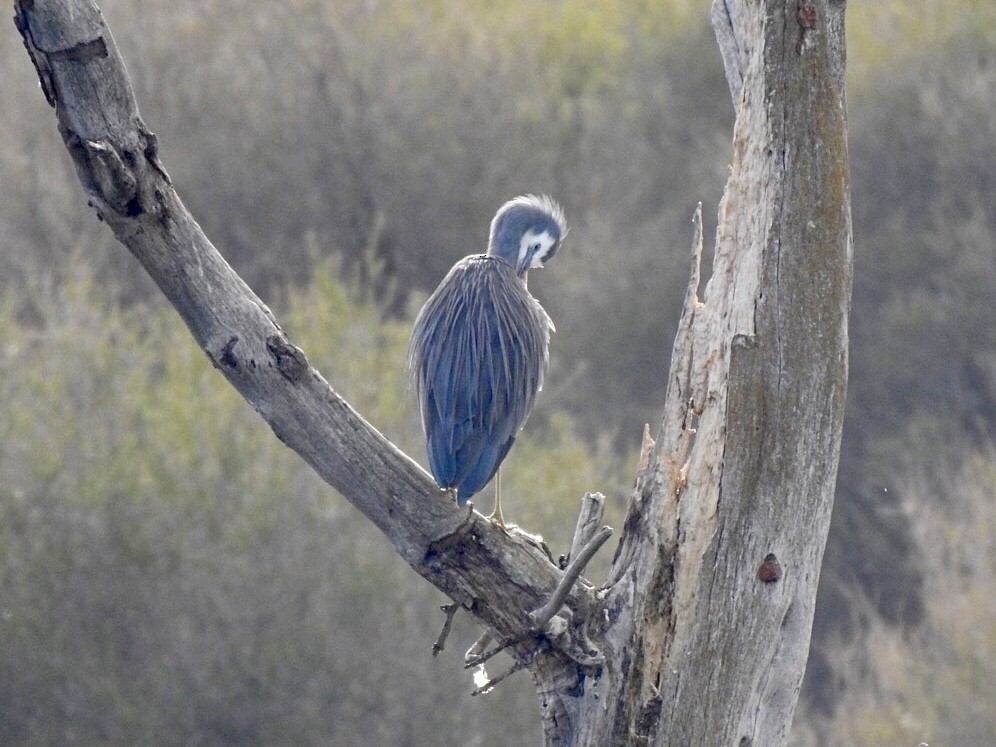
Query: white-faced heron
[478,351]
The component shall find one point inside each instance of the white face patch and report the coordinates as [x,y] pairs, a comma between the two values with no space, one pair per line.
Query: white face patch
[534,248]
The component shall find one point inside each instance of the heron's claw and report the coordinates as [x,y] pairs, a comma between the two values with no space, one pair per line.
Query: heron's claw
[498,520]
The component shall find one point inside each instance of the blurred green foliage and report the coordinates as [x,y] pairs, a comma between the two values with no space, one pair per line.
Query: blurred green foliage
[930,684]
[888,34]
[171,574]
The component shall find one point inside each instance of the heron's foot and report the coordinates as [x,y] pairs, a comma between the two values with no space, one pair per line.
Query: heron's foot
[499,521]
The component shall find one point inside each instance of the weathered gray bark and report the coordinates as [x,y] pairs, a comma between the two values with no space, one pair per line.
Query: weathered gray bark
[701,634]
[715,578]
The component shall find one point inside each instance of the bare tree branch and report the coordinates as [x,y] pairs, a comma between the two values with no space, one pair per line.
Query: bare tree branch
[497,576]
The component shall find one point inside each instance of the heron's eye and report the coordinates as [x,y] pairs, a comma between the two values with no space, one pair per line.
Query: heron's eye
[537,246]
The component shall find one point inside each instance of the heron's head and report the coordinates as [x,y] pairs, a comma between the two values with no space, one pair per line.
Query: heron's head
[527,231]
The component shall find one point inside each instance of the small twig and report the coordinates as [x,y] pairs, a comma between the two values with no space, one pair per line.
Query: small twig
[490,684]
[584,546]
[590,516]
[541,616]
[440,644]
[470,661]
[593,504]
[473,654]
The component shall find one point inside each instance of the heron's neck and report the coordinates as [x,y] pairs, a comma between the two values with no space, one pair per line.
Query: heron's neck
[509,256]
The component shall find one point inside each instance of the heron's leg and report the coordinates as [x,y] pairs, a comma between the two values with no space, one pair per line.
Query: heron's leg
[496,516]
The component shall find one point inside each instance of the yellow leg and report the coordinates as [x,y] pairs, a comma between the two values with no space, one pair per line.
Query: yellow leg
[496,516]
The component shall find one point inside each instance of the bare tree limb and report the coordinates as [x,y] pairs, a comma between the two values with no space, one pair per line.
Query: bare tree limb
[493,574]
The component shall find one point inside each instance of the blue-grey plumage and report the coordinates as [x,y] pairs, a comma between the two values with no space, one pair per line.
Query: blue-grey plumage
[478,350]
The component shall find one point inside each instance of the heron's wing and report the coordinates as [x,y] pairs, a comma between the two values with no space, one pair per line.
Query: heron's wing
[477,357]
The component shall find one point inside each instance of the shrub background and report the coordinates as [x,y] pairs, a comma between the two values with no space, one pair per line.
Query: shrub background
[171,574]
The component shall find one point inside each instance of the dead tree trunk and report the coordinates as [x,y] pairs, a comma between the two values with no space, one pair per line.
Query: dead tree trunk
[714,582]
[701,633]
